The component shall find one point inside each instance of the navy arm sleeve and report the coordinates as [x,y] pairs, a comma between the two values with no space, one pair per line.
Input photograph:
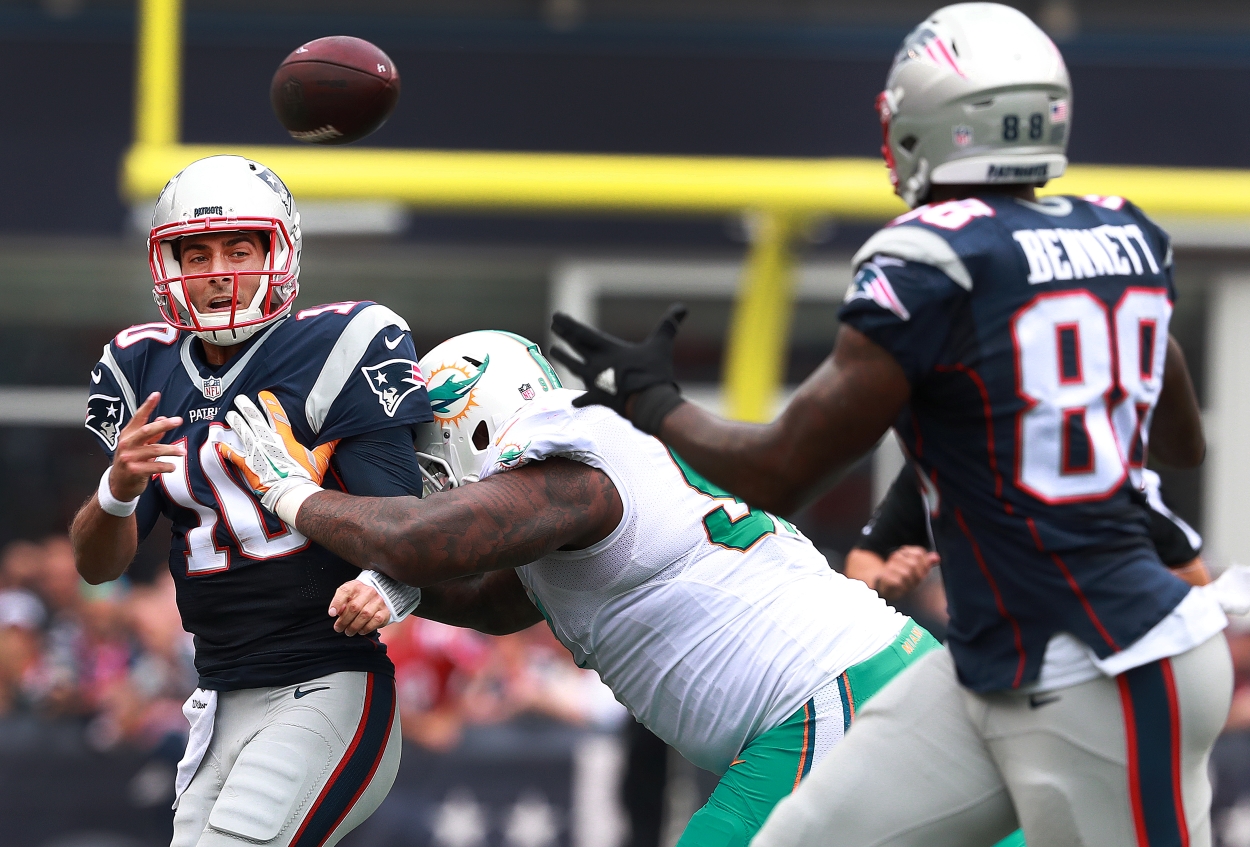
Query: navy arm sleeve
[899,520]
[1175,549]
[381,463]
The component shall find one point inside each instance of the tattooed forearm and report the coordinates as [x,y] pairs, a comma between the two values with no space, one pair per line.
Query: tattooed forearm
[835,417]
[494,603]
[504,521]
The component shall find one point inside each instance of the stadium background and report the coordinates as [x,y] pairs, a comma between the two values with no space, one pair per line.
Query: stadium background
[508,743]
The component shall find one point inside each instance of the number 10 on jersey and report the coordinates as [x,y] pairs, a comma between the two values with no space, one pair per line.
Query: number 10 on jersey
[1089,378]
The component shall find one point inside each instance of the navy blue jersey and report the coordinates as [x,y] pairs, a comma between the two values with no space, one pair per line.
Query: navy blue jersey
[1034,337]
[252,590]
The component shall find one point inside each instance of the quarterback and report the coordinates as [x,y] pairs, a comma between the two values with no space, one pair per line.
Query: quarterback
[1020,348]
[718,625]
[294,731]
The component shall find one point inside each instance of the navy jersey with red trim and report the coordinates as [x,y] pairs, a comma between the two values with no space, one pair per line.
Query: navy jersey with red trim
[252,590]
[1034,336]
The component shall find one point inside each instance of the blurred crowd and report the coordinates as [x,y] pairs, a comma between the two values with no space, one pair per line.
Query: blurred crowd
[114,656]
[116,659]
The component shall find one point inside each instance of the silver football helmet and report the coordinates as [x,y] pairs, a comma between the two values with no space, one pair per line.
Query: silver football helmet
[225,194]
[977,94]
[476,382]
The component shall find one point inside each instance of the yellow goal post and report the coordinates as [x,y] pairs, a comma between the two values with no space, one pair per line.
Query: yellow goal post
[781,196]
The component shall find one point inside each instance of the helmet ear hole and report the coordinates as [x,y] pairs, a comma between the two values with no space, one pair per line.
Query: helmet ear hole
[909,143]
[481,436]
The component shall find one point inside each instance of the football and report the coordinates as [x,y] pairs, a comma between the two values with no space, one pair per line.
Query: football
[334,90]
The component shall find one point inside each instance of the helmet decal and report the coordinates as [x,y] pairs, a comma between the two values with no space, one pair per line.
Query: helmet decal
[451,398]
[275,182]
[923,44]
[478,383]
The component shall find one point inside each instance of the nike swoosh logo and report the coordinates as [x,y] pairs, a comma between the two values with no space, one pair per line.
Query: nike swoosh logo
[95,377]
[299,694]
[391,345]
[1036,701]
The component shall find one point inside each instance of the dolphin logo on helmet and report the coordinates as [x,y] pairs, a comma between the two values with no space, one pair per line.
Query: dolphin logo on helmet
[472,382]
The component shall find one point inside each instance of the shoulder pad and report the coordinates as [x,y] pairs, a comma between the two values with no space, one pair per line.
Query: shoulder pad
[914,244]
[340,364]
[129,345]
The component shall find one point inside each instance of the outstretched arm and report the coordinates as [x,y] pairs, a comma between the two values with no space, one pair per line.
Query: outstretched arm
[836,416]
[1176,437]
[505,521]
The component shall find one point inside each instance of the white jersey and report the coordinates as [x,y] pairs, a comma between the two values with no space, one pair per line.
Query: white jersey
[712,622]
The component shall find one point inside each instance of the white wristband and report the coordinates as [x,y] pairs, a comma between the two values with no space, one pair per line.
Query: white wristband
[109,503]
[400,599]
[288,504]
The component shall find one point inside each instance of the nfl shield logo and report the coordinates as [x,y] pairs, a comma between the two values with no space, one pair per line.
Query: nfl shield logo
[962,136]
[211,388]
[527,391]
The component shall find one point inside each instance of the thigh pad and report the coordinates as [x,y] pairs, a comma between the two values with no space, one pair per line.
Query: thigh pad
[268,782]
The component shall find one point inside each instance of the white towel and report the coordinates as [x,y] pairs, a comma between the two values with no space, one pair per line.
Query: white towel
[1232,589]
[200,711]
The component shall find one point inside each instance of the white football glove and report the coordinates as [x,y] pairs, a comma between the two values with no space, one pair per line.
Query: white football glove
[281,471]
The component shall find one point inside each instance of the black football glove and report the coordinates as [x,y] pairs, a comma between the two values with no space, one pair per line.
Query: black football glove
[615,370]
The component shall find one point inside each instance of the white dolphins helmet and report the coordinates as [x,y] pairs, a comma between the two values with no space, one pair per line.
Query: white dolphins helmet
[978,94]
[476,382]
[225,194]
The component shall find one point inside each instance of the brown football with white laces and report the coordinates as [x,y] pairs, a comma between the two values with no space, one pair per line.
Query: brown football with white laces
[334,90]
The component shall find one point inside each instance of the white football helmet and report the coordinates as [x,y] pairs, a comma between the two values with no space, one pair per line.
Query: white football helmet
[978,94]
[476,382]
[225,194]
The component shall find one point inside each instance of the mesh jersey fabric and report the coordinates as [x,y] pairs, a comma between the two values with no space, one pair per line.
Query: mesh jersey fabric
[706,644]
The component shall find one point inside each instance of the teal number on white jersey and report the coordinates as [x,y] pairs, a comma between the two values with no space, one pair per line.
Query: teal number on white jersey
[711,621]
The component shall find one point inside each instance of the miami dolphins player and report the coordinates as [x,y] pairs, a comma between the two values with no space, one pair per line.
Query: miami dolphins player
[720,626]
[294,736]
[1020,348]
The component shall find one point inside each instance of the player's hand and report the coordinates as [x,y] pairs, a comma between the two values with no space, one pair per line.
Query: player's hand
[903,571]
[615,371]
[137,457]
[358,609]
[272,460]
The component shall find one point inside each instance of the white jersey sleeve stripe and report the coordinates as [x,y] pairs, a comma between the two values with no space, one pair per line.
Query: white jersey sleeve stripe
[128,393]
[343,358]
[913,244]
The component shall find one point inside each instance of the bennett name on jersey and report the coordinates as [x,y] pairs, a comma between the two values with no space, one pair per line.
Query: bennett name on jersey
[1019,347]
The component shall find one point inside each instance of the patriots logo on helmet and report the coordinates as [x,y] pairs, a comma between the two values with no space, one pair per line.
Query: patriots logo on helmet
[923,44]
[272,180]
[871,284]
[104,417]
[392,381]
[451,389]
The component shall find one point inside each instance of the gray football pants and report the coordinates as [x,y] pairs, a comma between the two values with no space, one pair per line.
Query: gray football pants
[1113,762]
[297,766]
